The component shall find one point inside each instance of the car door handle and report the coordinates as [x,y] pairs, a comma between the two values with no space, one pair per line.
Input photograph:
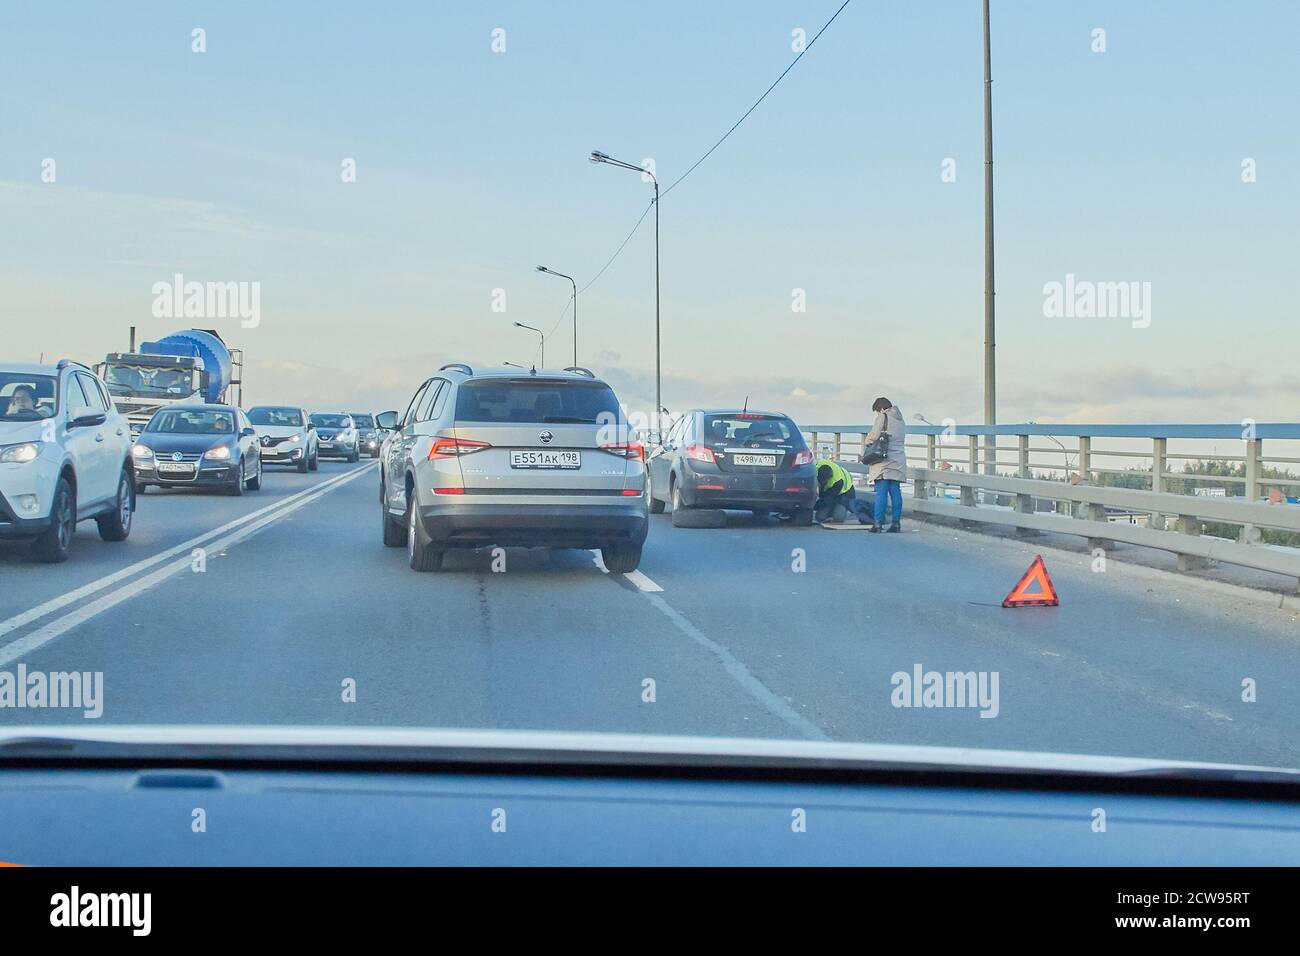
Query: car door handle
[99,436]
[119,432]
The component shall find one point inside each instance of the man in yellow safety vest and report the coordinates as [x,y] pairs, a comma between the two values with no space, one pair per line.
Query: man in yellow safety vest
[836,499]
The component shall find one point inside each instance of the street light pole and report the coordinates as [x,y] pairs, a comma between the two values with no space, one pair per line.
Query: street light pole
[540,334]
[575,306]
[990,366]
[599,157]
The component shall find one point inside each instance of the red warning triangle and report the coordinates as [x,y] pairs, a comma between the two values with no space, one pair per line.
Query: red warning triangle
[1034,589]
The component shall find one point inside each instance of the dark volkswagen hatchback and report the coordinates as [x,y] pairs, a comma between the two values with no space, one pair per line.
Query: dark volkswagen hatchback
[716,458]
[199,446]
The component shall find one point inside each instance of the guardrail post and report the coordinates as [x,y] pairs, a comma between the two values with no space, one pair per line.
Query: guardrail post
[1091,511]
[816,453]
[837,446]
[929,449]
[1250,534]
[1159,451]
[1085,458]
[1191,525]
[1024,503]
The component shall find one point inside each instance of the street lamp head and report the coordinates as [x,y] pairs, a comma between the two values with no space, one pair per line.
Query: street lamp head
[542,269]
[599,157]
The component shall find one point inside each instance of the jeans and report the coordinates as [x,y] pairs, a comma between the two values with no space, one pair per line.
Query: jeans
[833,507]
[887,488]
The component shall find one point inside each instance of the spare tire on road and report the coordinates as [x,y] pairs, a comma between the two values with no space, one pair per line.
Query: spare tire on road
[699,518]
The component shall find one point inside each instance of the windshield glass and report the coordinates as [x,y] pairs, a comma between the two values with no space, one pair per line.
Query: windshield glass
[27,398]
[331,421]
[192,422]
[268,415]
[126,379]
[733,387]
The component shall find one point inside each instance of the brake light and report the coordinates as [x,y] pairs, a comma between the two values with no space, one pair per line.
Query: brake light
[631,493]
[448,491]
[749,416]
[630,449]
[701,453]
[710,487]
[803,458]
[455,447]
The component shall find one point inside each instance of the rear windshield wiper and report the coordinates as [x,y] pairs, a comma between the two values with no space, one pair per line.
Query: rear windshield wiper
[565,420]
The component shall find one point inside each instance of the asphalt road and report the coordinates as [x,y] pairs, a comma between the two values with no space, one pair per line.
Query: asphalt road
[299,597]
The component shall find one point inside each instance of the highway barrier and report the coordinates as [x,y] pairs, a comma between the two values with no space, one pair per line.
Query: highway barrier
[1008,475]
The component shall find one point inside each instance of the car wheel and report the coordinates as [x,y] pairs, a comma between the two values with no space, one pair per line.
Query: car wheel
[802,517]
[394,530]
[314,464]
[419,554]
[237,488]
[621,558]
[255,483]
[684,517]
[656,505]
[354,457]
[304,463]
[54,545]
[116,525]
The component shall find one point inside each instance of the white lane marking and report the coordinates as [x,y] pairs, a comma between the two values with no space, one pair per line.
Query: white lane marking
[641,582]
[63,600]
[775,705]
[56,628]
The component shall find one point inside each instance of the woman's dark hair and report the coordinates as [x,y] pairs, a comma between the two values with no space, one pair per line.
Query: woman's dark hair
[880,404]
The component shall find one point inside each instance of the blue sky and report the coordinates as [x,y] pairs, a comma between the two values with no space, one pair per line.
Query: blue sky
[1115,166]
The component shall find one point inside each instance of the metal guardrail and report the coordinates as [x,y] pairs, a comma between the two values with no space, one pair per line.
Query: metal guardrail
[966,457]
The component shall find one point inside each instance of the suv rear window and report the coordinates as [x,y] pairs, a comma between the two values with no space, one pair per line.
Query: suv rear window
[536,401]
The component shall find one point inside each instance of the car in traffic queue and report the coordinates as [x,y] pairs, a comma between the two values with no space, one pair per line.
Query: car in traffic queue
[338,436]
[368,436]
[286,436]
[65,456]
[508,459]
[199,446]
[733,459]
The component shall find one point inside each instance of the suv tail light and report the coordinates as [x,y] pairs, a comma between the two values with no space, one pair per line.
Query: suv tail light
[803,458]
[701,453]
[631,449]
[455,447]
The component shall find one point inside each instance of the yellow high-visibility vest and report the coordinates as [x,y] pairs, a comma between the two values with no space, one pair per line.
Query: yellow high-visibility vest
[841,479]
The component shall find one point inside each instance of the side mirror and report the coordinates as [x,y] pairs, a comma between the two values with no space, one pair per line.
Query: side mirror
[84,421]
[386,421]
[248,433]
[311,427]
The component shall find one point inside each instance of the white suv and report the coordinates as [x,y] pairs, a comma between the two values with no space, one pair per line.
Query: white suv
[531,459]
[65,456]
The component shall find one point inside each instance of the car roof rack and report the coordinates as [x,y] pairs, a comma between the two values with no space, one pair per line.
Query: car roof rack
[579,370]
[459,366]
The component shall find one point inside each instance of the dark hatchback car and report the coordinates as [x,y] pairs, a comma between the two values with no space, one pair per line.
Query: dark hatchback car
[719,458]
[199,446]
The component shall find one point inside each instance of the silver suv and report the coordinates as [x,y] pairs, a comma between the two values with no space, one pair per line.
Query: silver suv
[65,456]
[532,459]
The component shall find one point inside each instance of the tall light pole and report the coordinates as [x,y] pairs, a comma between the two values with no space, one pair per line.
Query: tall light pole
[541,335]
[599,157]
[990,365]
[575,306]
